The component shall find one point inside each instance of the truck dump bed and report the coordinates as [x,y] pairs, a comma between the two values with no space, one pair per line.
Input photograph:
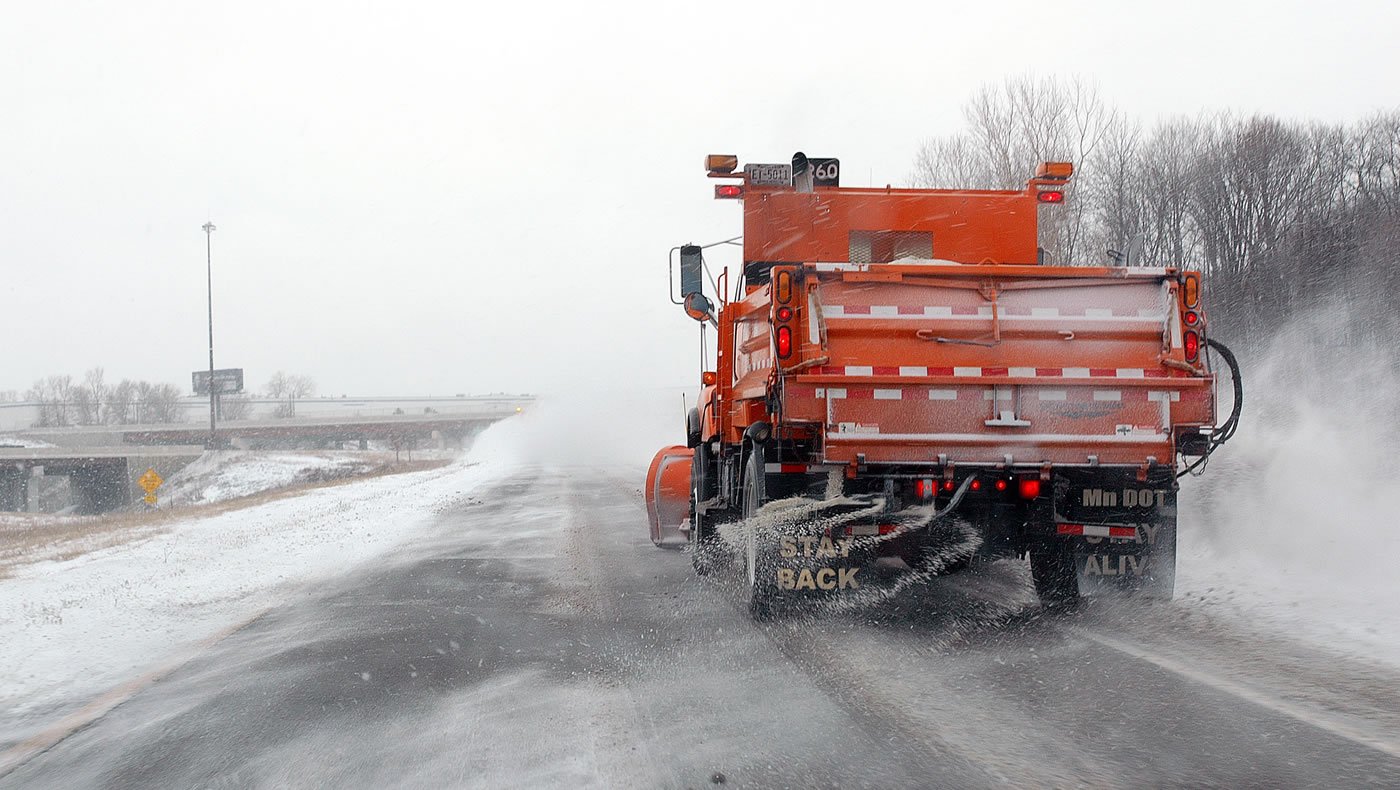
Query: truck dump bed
[989,365]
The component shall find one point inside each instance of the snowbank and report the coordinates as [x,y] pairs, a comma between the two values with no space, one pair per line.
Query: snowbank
[224,475]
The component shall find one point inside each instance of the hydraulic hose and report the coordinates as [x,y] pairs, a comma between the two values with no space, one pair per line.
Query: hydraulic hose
[1227,428]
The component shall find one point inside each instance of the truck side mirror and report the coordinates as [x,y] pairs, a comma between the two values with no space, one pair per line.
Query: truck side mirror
[692,271]
[698,307]
[693,283]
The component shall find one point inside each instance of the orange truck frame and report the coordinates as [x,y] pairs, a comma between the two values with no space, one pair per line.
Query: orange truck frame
[904,372]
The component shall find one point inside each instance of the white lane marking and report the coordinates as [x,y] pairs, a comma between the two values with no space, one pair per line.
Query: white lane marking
[1279,706]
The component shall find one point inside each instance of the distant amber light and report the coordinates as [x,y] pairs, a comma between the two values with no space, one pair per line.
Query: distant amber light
[721,163]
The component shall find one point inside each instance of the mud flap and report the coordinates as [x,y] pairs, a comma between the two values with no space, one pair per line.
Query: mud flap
[1123,535]
[797,560]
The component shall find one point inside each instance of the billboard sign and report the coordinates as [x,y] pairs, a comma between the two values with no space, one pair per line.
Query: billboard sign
[227,380]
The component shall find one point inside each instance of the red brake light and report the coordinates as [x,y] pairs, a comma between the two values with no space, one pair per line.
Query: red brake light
[728,191]
[784,313]
[1050,196]
[1191,318]
[784,342]
[923,488]
[1193,345]
[976,485]
[1001,485]
[1030,487]
[947,485]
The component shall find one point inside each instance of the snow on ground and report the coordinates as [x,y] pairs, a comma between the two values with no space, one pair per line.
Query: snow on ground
[72,629]
[218,476]
[27,444]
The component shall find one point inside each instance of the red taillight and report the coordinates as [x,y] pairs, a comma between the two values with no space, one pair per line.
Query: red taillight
[976,485]
[728,191]
[784,342]
[1191,319]
[924,488]
[1050,196]
[1192,342]
[1030,487]
[947,485]
[1001,485]
[784,313]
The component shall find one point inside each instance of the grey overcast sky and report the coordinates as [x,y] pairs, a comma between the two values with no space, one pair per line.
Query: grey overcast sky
[439,198]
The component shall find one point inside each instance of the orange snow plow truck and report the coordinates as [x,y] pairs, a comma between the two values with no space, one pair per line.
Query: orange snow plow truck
[899,379]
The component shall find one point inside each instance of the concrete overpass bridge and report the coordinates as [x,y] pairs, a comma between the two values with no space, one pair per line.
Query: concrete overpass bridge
[100,478]
[404,432]
[103,463]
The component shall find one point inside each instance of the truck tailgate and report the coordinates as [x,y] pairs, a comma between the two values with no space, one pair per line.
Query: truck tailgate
[980,367]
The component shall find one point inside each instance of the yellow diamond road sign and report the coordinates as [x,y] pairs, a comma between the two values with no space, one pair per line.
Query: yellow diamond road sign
[150,481]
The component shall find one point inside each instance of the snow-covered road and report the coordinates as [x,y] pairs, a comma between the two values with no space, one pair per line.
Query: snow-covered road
[505,622]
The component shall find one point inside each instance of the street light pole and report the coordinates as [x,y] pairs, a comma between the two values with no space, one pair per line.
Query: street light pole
[209,266]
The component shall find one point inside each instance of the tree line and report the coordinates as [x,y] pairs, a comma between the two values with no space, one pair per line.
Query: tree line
[65,401]
[1282,215]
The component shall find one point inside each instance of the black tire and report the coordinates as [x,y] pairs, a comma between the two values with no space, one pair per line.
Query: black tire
[758,561]
[708,552]
[1056,581]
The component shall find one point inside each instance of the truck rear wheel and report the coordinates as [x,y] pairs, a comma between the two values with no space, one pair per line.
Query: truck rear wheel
[1054,574]
[758,564]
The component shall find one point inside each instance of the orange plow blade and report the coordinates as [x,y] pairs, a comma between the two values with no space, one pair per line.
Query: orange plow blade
[668,496]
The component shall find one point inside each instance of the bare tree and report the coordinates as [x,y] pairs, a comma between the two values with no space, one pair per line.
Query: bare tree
[121,401]
[1013,127]
[53,395]
[235,407]
[1377,164]
[159,403]
[95,387]
[289,387]
[82,407]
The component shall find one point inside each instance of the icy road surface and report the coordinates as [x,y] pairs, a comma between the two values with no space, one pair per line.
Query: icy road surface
[529,635]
